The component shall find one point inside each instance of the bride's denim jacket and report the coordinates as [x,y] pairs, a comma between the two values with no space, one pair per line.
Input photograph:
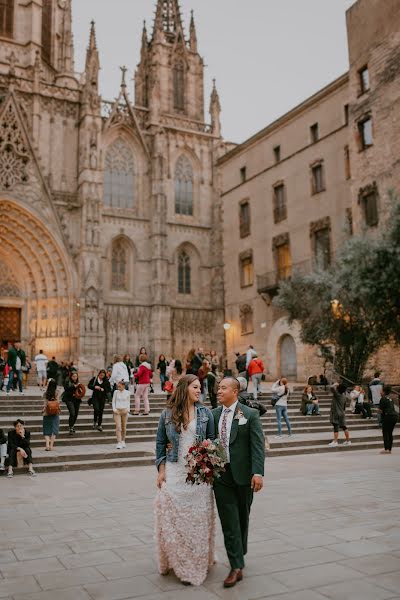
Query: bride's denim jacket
[166,433]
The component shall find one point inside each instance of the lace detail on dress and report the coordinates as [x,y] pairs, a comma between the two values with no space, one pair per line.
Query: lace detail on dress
[185,520]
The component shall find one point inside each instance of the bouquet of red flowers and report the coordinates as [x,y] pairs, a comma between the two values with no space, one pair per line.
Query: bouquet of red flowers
[205,462]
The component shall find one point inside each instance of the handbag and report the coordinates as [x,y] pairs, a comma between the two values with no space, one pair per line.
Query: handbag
[168,387]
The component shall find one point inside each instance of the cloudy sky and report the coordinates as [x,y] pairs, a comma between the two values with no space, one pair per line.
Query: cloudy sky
[267,55]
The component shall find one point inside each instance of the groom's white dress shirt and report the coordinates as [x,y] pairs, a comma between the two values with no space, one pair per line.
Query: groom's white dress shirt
[229,421]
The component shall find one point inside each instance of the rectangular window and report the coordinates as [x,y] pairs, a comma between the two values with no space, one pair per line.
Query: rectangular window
[246,269]
[243,174]
[46,30]
[314,133]
[277,154]
[365,130]
[370,208]
[364,79]
[244,218]
[246,319]
[317,174]
[283,262]
[347,168]
[346,114]
[6,18]
[322,248]
[280,212]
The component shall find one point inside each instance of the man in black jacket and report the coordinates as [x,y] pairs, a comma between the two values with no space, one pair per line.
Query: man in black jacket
[19,440]
[16,359]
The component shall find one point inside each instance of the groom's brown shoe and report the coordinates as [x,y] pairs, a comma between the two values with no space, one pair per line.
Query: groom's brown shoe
[234,576]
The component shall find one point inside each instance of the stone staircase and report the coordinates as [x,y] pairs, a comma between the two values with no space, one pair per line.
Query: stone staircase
[91,449]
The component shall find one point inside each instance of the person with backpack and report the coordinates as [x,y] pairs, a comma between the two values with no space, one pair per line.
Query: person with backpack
[389,417]
[280,395]
[51,414]
[256,370]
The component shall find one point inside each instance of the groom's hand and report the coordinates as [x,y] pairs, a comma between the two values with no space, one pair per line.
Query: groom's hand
[257,483]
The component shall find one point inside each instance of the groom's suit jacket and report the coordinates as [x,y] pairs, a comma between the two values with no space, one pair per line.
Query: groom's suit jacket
[246,444]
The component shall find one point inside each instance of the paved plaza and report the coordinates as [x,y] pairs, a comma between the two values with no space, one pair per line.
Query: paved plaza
[325,526]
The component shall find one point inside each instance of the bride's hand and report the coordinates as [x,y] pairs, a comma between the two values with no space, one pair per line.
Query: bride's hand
[161,476]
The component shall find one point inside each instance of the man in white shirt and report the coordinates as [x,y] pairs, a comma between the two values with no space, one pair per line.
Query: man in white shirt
[41,361]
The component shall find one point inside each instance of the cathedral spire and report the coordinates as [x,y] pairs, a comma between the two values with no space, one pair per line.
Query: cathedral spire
[168,20]
[215,111]
[66,58]
[193,34]
[92,68]
[145,42]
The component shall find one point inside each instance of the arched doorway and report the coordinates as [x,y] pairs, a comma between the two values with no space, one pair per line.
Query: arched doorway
[36,289]
[288,357]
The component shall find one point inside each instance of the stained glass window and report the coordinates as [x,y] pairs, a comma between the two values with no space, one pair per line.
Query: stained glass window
[183,187]
[119,176]
[184,274]
[119,267]
[179,85]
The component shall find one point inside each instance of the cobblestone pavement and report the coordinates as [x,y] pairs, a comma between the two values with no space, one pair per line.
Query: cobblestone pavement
[325,526]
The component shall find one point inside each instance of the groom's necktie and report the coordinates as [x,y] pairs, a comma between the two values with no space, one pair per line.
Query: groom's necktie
[224,433]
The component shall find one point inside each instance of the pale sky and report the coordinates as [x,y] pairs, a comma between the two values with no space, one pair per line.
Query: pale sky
[266,55]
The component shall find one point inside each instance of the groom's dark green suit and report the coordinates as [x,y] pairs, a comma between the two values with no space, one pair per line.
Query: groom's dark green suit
[233,492]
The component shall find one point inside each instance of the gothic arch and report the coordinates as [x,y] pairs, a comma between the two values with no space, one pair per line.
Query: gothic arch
[186,259]
[46,282]
[121,261]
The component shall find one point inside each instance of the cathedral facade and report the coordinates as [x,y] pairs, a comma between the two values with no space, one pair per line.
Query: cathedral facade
[110,211]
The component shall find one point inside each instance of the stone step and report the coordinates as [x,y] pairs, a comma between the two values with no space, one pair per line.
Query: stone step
[318,448]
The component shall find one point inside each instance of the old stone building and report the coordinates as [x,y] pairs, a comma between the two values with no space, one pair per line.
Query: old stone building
[109,212]
[296,190]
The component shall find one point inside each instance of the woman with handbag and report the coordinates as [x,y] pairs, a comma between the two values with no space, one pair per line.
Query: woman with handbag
[101,391]
[51,414]
[72,396]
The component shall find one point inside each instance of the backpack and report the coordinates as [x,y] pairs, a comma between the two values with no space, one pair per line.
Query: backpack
[52,408]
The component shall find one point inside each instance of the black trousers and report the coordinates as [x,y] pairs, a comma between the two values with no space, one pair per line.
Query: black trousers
[234,503]
[98,409]
[364,409]
[12,456]
[73,409]
[388,424]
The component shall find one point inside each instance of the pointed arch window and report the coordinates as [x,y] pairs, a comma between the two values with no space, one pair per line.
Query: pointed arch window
[183,187]
[6,18]
[119,176]
[184,273]
[179,85]
[46,29]
[119,266]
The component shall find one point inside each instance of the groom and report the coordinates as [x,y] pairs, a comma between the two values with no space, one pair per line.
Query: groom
[239,429]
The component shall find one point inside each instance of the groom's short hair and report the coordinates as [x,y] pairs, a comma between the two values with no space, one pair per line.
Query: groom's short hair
[235,382]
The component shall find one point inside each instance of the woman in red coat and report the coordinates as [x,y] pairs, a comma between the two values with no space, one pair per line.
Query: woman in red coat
[143,379]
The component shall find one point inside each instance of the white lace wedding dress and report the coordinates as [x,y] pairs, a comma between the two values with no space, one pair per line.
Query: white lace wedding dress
[185,520]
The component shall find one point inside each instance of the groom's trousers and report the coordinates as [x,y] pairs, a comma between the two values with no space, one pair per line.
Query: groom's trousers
[233,503]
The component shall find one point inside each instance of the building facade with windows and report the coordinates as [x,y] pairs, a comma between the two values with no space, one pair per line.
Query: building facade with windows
[110,214]
[295,191]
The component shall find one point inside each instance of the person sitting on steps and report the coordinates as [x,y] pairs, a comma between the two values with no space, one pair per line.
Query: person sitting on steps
[19,446]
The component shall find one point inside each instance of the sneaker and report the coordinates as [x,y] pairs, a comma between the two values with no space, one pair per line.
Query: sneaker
[347,443]
[10,474]
[278,437]
[32,473]
[333,444]
[2,468]
[94,425]
[99,428]
[22,393]
[123,444]
[119,446]
[71,431]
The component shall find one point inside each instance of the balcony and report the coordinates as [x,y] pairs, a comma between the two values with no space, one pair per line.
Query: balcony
[268,283]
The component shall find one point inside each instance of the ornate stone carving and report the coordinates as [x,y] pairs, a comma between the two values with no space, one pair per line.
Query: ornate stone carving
[280,240]
[14,153]
[324,223]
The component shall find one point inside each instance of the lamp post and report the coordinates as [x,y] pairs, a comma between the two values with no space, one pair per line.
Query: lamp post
[227,327]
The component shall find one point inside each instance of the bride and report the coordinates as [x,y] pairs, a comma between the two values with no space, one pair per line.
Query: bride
[185,517]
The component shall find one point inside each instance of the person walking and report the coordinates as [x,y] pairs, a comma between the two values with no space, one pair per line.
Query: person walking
[240,363]
[72,400]
[119,373]
[256,370]
[375,389]
[162,369]
[389,418]
[16,359]
[101,391]
[51,414]
[338,414]
[143,379]
[280,391]
[52,369]
[240,432]
[41,361]
[121,405]
[197,360]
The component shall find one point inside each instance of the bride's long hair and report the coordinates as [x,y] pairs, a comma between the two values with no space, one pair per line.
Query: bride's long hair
[178,403]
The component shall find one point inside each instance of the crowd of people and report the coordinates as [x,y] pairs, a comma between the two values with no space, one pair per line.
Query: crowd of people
[61,384]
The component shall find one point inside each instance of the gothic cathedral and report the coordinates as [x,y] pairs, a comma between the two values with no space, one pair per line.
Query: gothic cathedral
[110,211]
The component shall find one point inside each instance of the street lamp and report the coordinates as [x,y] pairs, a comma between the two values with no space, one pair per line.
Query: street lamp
[227,326]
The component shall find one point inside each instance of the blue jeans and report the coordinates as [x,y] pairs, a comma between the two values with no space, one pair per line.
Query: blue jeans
[256,379]
[11,380]
[281,411]
[163,379]
[312,409]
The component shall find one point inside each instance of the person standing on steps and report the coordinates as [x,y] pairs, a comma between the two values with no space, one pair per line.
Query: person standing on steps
[101,391]
[281,391]
[119,372]
[162,368]
[16,359]
[72,400]
[143,379]
[51,415]
[256,370]
[389,417]
[338,414]
[41,361]
[121,405]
